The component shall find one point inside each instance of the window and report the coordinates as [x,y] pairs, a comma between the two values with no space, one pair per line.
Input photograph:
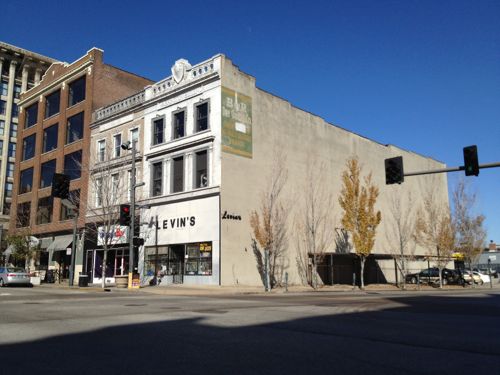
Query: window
[74,129]
[23,214]
[199,259]
[117,142]
[26,181]
[201,176]
[44,211]
[76,91]
[15,110]
[158,131]
[29,147]
[74,197]
[157,179]
[178,125]
[73,165]
[98,192]
[47,173]
[12,150]
[8,189]
[1,146]
[10,169]
[17,91]
[201,117]
[3,88]
[101,150]
[134,136]
[178,174]
[31,115]
[50,138]
[2,127]
[52,104]
[3,107]
[13,130]
[115,184]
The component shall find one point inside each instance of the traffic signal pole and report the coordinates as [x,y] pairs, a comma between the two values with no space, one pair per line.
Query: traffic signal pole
[454,169]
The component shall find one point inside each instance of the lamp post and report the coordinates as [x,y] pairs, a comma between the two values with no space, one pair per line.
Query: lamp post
[133,185]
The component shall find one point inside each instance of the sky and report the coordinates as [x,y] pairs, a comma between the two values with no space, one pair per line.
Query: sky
[423,75]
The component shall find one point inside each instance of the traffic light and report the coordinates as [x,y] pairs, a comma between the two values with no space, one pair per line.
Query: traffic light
[60,186]
[471,162]
[394,173]
[138,241]
[125,215]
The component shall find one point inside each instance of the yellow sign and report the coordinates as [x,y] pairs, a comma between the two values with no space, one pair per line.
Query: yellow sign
[236,123]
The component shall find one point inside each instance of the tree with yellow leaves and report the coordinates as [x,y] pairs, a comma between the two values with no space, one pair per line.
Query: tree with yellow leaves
[359,216]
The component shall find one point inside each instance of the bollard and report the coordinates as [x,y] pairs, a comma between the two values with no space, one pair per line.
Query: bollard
[353,280]
[286,281]
[418,282]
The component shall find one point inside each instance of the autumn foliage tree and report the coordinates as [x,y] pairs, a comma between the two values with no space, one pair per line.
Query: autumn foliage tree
[359,217]
[269,228]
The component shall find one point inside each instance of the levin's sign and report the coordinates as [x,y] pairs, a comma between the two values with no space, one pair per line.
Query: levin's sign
[116,235]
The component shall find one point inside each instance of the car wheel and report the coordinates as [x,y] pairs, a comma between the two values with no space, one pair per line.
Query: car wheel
[1,283]
[481,282]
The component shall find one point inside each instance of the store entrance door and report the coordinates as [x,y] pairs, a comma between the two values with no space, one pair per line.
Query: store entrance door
[177,263]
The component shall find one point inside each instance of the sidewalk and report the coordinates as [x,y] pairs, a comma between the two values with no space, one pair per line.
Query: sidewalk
[191,290]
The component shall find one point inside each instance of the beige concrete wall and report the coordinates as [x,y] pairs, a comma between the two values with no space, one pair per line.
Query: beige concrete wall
[307,141]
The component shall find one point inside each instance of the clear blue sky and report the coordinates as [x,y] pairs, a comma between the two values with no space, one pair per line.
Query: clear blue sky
[423,75]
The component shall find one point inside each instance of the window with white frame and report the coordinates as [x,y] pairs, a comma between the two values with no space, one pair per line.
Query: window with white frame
[117,140]
[101,150]
[98,192]
[134,136]
[201,117]
[158,131]
[178,174]
[115,183]
[201,170]
[178,124]
[157,179]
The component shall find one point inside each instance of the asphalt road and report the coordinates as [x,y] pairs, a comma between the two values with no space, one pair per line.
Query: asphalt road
[57,331]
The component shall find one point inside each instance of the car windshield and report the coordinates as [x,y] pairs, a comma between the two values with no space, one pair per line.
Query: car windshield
[13,269]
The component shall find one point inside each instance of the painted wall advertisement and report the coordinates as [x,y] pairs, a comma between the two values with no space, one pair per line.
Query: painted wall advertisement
[236,123]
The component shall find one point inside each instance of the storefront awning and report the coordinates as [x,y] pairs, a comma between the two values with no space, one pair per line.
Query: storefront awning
[45,242]
[61,243]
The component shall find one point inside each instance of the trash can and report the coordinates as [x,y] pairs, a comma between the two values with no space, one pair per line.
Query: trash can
[83,281]
[49,277]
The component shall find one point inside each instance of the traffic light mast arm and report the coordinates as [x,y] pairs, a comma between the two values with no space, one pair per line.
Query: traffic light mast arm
[454,169]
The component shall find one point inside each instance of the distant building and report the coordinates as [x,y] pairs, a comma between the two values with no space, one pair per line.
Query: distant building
[20,71]
[54,137]
[209,141]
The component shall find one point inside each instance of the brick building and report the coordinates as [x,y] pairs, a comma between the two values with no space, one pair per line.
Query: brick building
[54,137]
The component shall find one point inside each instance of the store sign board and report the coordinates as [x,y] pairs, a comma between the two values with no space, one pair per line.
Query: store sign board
[182,222]
[236,123]
[116,236]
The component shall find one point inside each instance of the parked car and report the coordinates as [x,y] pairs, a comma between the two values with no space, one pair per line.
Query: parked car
[484,278]
[431,276]
[469,276]
[14,276]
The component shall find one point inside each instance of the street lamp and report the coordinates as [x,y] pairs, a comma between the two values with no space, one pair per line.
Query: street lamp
[131,146]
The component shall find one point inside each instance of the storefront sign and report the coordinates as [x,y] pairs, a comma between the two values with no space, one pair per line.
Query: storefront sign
[117,235]
[236,123]
[226,216]
[178,222]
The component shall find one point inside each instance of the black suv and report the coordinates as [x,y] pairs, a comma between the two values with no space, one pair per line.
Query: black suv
[431,276]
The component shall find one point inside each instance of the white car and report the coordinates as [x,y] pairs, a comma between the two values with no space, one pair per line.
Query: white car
[484,278]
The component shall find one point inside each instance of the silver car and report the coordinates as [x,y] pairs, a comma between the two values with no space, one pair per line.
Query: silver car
[14,276]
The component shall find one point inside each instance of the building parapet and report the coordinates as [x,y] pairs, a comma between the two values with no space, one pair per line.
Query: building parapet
[120,106]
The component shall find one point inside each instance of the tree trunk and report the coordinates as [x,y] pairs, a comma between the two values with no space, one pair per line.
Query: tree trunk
[267,269]
[104,261]
[362,273]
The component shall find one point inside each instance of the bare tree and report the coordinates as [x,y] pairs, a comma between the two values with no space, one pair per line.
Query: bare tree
[359,216]
[471,235]
[435,231]
[109,182]
[313,223]
[269,226]
[401,230]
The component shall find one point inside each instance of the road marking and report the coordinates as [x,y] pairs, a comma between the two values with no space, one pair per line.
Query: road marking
[5,294]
